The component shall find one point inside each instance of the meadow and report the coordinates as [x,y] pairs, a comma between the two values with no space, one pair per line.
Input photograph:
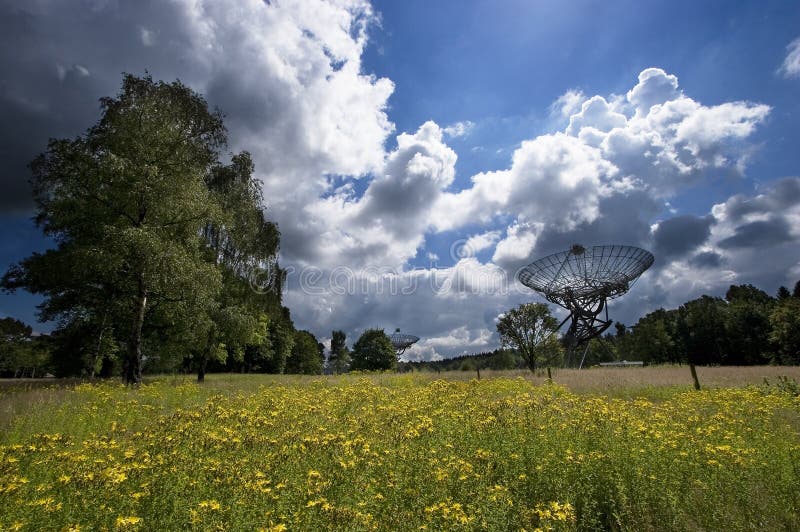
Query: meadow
[604,449]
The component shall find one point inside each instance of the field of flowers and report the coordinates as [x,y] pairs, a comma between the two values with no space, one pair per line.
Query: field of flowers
[399,453]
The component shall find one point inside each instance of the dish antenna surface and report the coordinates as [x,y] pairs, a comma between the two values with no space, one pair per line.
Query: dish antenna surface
[402,341]
[582,280]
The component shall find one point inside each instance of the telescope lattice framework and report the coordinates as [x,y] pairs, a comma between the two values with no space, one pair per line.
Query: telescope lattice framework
[402,341]
[582,280]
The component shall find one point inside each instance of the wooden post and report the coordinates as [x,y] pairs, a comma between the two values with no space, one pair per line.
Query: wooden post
[694,377]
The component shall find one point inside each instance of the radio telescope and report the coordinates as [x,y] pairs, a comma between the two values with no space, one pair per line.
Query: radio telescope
[582,281]
[402,341]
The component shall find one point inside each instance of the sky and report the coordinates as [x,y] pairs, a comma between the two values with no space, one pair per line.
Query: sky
[416,154]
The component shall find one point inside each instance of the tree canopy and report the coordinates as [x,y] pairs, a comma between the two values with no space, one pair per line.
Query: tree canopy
[373,351]
[306,357]
[149,227]
[785,331]
[530,329]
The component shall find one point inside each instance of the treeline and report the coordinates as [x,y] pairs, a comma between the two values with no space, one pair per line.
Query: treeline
[499,359]
[164,257]
[23,354]
[746,327]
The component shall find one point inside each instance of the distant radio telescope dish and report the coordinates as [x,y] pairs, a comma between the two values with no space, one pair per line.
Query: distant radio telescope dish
[582,280]
[402,341]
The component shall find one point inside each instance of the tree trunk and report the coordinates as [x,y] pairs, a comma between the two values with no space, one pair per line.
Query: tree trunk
[133,363]
[201,370]
[106,368]
[209,351]
[99,345]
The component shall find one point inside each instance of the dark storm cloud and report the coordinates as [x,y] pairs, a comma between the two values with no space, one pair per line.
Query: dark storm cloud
[55,65]
[17,147]
[30,120]
[706,259]
[400,196]
[678,236]
[249,105]
[763,233]
[58,59]
[751,242]
[786,192]
[619,223]
[781,195]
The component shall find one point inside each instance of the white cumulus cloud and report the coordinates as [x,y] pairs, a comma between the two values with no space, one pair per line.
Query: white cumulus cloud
[554,177]
[459,129]
[791,63]
[481,241]
[567,104]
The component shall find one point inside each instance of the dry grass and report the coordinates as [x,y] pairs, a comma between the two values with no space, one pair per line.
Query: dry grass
[15,401]
[21,396]
[631,380]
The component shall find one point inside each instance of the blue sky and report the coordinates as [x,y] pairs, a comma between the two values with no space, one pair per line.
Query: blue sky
[393,136]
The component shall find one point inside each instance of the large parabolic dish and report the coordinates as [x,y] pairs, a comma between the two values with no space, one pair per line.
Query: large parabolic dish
[582,280]
[402,341]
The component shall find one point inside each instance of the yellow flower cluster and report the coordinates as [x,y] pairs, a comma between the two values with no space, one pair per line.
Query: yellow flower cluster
[450,511]
[554,512]
[400,453]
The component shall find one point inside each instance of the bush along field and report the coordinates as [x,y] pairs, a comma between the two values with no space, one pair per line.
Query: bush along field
[400,453]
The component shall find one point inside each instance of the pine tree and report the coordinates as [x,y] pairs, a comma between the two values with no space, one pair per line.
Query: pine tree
[340,356]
